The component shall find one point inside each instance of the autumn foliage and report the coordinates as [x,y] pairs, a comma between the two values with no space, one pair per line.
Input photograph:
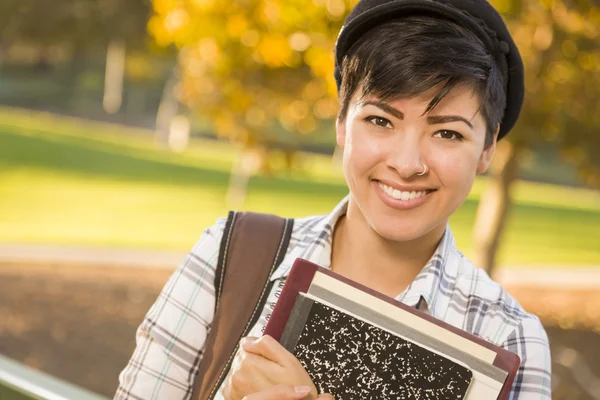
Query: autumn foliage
[254,65]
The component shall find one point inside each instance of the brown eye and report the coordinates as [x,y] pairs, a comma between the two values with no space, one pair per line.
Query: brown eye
[379,121]
[448,135]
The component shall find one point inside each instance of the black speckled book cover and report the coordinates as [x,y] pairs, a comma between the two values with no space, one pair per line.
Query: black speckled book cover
[352,359]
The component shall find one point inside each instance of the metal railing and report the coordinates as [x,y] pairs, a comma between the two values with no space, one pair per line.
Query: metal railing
[19,382]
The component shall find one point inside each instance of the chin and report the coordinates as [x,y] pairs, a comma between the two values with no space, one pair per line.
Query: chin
[400,229]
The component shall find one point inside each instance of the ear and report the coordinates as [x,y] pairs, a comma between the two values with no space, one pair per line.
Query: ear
[487,154]
[340,132]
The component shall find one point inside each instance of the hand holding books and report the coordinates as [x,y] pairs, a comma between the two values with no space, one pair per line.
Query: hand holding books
[263,368]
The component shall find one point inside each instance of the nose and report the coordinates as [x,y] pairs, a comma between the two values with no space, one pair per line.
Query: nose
[404,157]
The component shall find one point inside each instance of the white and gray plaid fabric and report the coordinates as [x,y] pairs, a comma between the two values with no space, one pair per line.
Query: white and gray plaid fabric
[171,338]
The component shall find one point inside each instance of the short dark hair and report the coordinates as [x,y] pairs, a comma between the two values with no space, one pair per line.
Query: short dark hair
[408,56]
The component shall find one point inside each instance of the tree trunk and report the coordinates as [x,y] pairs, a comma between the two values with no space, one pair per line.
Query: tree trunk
[494,205]
[246,164]
[114,75]
[167,110]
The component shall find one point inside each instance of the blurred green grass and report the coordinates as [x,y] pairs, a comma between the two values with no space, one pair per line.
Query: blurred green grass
[70,181]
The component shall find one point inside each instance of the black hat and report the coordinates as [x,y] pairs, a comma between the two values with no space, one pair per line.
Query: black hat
[476,15]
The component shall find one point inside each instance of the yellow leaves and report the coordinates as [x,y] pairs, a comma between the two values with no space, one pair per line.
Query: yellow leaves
[548,4]
[296,116]
[313,91]
[237,25]
[503,6]
[298,109]
[275,51]
[307,125]
[202,5]
[569,20]
[320,61]
[208,51]
[175,20]
[170,25]
[336,8]
[561,72]
[299,41]
[162,7]
[542,37]
[589,61]
[226,128]
[569,49]
[250,38]
[256,117]
[157,29]
[326,108]
[594,16]
[270,12]
[240,100]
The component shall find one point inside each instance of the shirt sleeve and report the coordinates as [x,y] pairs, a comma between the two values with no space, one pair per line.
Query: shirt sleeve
[530,342]
[170,340]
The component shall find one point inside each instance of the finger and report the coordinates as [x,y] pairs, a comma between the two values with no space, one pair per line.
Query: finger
[267,347]
[325,396]
[252,373]
[280,392]
[247,358]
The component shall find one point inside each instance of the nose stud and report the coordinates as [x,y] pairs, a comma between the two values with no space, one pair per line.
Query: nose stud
[425,170]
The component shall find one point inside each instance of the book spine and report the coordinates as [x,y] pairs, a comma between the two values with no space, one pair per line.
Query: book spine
[298,281]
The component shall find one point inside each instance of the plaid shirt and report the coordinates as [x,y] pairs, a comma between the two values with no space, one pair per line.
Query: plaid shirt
[171,338]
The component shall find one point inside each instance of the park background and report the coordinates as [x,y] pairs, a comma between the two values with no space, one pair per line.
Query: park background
[126,128]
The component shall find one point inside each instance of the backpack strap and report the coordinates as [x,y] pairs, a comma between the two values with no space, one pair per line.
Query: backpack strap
[252,247]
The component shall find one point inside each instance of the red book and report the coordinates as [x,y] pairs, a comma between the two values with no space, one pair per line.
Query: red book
[356,342]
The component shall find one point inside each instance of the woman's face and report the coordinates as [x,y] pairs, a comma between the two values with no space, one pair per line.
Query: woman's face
[385,146]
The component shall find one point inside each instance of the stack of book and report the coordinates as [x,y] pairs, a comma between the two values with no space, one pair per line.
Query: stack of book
[356,343]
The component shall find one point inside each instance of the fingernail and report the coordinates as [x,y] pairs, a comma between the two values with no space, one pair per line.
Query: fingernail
[303,390]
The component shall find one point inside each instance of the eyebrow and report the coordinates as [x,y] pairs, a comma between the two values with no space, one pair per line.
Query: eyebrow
[440,119]
[385,107]
[432,119]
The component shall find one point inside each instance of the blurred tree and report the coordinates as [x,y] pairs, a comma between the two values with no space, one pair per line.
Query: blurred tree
[254,64]
[560,45]
[79,23]
[79,26]
[13,15]
[257,64]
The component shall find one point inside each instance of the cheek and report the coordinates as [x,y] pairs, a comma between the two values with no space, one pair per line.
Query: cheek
[362,151]
[455,170]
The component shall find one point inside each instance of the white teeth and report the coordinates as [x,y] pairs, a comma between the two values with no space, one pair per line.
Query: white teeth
[399,195]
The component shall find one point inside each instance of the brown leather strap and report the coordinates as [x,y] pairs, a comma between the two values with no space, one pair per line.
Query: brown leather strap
[253,245]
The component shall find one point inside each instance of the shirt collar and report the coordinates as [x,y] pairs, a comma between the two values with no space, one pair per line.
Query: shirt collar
[312,241]
[435,280]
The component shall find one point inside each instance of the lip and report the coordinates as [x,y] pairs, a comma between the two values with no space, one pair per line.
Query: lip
[402,204]
[404,188]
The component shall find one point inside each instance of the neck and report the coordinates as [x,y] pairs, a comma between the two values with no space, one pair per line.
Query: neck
[361,254]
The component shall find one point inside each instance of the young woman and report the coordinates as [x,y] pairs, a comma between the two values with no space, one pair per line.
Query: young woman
[426,89]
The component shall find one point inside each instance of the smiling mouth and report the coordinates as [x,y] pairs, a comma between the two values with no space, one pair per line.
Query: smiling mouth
[403,195]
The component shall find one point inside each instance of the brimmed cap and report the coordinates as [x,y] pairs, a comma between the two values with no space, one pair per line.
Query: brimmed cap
[476,15]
